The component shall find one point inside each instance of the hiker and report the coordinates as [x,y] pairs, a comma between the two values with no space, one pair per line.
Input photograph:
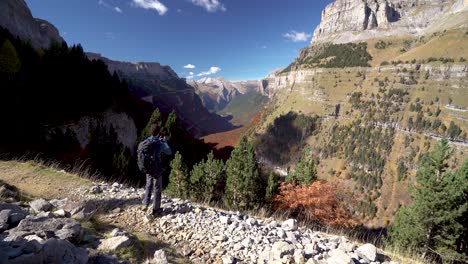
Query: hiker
[149,162]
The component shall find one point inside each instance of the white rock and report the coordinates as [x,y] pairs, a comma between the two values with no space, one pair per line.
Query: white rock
[367,251]
[159,257]
[338,256]
[61,213]
[228,260]
[281,249]
[225,220]
[114,243]
[289,225]
[40,205]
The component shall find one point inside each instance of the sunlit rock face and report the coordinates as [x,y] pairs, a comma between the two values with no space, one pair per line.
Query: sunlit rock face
[353,20]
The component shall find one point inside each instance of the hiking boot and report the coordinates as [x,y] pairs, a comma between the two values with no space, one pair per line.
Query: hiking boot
[157,212]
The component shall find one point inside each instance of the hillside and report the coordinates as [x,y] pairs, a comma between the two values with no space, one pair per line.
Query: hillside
[160,86]
[381,102]
[90,222]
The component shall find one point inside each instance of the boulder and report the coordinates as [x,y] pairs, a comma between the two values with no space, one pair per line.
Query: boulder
[40,205]
[63,228]
[114,243]
[338,256]
[10,216]
[367,252]
[50,251]
[80,210]
[159,257]
[289,225]
[281,249]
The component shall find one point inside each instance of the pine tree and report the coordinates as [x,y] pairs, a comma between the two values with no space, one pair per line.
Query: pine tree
[204,178]
[178,179]
[243,183]
[272,187]
[197,181]
[214,173]
[156,119]
[435,224]
[170,123]
[305,172]
[9,61]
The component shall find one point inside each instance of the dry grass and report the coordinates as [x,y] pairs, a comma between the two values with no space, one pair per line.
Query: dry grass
[41,179]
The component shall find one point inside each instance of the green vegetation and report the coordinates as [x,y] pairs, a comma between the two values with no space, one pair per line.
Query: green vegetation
[382,44]
[341,56]
[305,172]
[205,177]
[243,107]
[333,56]
[10,64]
[243,183]
[436,223]
[179,178]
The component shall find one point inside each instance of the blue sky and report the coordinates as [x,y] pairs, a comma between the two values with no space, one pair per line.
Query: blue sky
[237,39]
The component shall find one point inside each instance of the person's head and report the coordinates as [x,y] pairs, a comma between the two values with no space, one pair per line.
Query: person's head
[155,130]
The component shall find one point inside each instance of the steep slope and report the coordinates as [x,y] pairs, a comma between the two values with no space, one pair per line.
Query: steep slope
[349,20]
[382,103]
[17,18]
[161,86]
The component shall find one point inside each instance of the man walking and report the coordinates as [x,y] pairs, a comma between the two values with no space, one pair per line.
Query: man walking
[149,162]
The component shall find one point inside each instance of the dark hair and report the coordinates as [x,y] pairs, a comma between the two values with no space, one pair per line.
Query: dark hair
[155,130]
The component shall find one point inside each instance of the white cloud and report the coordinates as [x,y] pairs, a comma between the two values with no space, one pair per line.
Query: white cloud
[108,6]
[189,66]
[210,5]
[211,71]
[191,75]
[151,4]
[297,36]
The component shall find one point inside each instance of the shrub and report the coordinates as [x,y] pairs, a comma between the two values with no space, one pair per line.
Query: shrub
[319,202]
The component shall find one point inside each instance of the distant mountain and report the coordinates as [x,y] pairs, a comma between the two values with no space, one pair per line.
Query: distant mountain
[161,86]
[17,18]
[217,93]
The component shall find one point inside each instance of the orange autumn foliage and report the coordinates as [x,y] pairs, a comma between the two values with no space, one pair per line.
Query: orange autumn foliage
[319,202]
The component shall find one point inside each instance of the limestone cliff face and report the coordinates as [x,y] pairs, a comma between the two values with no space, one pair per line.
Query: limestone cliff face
[17,18]
[354,20]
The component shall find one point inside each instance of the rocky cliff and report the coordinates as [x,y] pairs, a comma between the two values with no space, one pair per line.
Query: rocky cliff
[17,18]
[356,20]
[161,86]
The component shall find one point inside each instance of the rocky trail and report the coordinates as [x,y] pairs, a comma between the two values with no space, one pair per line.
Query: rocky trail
[57,231]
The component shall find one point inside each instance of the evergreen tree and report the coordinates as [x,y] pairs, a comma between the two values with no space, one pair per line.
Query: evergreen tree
[305,172]
[170,123]
[243,183]
[435,224]
[272,187]
[205,176]
[197,181]
[178,179]
[10,64]
[156,119]
[214,173]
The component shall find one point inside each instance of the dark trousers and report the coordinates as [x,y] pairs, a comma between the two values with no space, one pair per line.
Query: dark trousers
[153,184]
